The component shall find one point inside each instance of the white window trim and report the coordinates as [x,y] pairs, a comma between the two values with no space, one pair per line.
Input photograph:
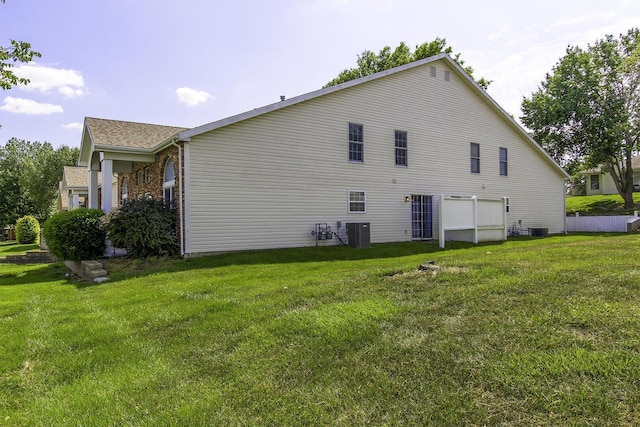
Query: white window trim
[364,193]
[405,148]
[168,184]
[361,143]
[472,158]
[505,162]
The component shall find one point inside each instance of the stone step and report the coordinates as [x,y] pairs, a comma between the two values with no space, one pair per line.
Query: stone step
[92,270]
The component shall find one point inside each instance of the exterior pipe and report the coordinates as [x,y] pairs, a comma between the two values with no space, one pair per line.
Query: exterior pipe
[180,215]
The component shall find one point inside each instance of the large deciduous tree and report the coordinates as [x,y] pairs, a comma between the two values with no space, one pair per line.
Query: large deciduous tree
[17,51]
[29,176]
[588,108]
[369,62]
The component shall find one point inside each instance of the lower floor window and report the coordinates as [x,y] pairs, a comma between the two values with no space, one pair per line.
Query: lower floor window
[357,200]
[169,193]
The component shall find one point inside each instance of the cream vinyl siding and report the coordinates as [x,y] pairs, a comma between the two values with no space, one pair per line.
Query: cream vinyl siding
[266,181]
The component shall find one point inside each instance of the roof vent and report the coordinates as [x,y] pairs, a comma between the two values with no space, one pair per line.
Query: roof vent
[282,97]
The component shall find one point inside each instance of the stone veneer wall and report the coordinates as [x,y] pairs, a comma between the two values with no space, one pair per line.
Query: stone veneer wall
[156,178]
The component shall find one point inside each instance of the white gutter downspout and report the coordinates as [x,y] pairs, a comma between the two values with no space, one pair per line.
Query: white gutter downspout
[173,142]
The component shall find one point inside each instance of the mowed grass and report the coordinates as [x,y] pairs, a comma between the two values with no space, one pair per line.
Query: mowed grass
[12,247]
[526,332]
[609,204]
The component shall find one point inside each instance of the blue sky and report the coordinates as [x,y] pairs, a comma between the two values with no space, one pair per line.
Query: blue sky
[190,62]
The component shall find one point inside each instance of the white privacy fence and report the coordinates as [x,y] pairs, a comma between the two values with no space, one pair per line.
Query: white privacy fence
[605,224]
[471,219]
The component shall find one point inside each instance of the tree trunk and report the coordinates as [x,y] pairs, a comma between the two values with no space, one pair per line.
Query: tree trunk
[628,198]
[624,185]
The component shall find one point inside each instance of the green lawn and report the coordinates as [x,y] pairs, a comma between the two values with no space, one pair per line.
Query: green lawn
[611,204]
[526,332]
[11,247]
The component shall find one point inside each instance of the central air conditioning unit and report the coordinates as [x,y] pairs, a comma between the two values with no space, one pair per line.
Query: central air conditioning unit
[359,235]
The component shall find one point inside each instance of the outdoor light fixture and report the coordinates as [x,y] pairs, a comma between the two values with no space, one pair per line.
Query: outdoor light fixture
[407,199]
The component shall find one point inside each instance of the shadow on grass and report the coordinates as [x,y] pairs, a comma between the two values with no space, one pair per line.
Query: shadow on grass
[19,274]
[123,269]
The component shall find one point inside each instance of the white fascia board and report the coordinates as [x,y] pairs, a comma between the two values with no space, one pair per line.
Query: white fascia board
[187,134]
[86,147]
[108,152]
[507,116]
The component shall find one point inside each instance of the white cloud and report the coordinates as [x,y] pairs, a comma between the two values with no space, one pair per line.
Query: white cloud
[499,34]
[68,83]
[73,126]
[192,97]
[29,106]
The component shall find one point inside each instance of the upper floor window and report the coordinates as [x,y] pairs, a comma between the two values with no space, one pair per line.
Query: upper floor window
[475,158]
[356,143]
[503,161]
[357,201]
[401,148]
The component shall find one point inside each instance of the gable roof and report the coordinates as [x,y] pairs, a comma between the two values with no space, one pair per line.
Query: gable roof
[186,135]
[121,136]
[117,133]
[75,177]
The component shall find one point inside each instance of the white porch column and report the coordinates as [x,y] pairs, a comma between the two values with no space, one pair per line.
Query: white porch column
[76,201]
[70,200]
[93,189]
[107,177]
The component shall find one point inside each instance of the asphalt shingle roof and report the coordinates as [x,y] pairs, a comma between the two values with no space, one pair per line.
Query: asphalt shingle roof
[75,176]
[118,133]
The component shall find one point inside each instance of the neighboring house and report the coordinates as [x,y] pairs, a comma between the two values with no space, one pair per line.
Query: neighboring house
[598,181]
[376,150]
[73,189]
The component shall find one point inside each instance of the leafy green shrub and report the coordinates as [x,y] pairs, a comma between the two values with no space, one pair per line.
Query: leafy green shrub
[27,230]
[144,227]
[75,235]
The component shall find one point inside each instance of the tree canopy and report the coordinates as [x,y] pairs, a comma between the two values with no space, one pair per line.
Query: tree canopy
[17,51]
[29,177]
[369,62]
[588,108]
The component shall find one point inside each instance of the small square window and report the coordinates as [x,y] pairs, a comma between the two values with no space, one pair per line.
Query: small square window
[357,201]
